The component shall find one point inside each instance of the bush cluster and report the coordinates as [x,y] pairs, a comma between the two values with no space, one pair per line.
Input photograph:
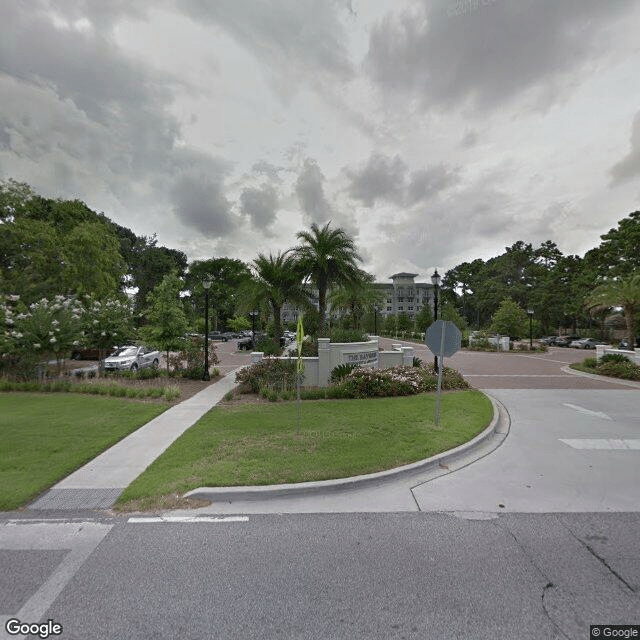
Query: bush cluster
[189,361]
[118,391]
[614,365]
[269,374]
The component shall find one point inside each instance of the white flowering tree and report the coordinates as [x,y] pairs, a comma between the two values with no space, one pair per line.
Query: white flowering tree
[106,324]
[46,329]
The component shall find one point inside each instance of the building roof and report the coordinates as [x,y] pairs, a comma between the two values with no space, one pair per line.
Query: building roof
[404,275]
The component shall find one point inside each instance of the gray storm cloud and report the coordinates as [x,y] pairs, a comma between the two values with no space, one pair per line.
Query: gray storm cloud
[629,167]
[261,205]
[485,52]
[386,179]
[310,191]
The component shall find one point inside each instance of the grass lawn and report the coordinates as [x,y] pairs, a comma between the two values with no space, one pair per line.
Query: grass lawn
[47,436]
[256,444]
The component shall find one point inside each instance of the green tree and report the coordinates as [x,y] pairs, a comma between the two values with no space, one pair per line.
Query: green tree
[356,299]
[623,292]
[391,324]
[328,257]
[107,323]
[509,319]
[227,276]
[167,321]
[94,264]
[618,255]
[276,281]
[239,323]
[424,319]
[449,312]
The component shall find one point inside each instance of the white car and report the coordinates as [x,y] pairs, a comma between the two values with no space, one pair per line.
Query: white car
[131,358]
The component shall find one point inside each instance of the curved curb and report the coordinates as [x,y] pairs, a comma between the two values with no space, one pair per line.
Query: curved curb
[595,376]
[498,429]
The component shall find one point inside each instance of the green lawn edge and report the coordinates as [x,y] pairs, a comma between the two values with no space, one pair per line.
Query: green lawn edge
[257,444]
[45,437]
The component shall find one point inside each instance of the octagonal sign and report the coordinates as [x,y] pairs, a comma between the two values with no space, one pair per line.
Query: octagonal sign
[443,338]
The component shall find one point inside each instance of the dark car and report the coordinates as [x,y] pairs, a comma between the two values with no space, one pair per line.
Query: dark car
[565,341]
[247,344]
[624,343]
[87,353]
[548,339]
[223,336]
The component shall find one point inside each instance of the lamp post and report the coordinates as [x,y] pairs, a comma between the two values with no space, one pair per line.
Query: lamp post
[207,285]
[435,280]
[375,319]
[253,315]
[530,314]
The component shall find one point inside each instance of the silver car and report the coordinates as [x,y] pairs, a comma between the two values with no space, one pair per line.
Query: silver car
[132,358]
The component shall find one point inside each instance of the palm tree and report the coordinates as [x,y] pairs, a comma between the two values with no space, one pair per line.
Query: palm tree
[328,257]
[625,293]
[356,299]
[276,281]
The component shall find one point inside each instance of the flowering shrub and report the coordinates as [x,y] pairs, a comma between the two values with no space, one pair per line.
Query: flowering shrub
[107,323]
[398,381]
[189,361]
[278,375]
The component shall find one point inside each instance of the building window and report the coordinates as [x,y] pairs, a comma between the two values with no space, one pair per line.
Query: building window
[400,299]
[400,308]
[389,308]
[410,308]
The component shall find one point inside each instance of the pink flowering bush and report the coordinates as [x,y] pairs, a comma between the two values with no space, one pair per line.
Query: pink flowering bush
[397,381]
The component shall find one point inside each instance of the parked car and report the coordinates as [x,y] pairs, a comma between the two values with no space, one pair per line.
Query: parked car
[565,341]
[246,344]
[624,343]
[132,358]
[548,340]
[577,344]
[589,343]
[87,353]
[223,336]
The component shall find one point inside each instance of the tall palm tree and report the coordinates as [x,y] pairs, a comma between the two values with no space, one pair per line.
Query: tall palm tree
[356,299]
[276,281]
[625,293]
[328,257]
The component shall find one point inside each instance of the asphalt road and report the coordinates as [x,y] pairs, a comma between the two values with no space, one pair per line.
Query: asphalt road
[539,539]
[411,575]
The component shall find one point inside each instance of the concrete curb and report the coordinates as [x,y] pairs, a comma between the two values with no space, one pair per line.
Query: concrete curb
[497,429]
[595,376]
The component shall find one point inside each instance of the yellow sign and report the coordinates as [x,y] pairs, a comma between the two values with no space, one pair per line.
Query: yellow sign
[299,340]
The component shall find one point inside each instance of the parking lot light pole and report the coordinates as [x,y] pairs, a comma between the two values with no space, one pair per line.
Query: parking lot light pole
[435,280]
[205,374]
[253,315]
[530,314]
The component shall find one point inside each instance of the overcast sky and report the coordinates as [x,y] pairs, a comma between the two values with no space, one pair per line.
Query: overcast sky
[434,131]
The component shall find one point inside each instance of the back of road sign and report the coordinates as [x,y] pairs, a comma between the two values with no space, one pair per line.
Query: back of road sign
[452,338]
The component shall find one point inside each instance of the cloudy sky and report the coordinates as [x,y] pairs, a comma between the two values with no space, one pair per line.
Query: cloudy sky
[435,131]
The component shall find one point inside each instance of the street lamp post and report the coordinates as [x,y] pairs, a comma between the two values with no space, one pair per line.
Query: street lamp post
[375,320]
[205,374]
[530,314]
[435,280]
[253,315]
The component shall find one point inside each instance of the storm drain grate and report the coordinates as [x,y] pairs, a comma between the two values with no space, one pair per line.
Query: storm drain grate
[71,499]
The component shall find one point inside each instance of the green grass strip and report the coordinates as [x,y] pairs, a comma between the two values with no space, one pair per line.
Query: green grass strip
[257,445]
[47,436]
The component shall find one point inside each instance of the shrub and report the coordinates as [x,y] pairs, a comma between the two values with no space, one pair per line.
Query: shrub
[592,363]
[482,344]
[269,347]
[616,358]
[627,370]
[189,361]
[171,392]
[347,335]
[416,361]
[228,397]
[371,383]
[341,371]
[310,349]
[270,373]
[314,393]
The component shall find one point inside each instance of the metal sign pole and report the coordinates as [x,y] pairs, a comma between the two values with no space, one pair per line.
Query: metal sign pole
[440,368]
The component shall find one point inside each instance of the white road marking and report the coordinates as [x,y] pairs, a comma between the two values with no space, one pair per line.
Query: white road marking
[597,414]
[79,538]
[141,520]
[608,444]
[514,375]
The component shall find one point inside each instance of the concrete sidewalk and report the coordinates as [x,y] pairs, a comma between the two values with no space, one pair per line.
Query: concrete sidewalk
[98,484]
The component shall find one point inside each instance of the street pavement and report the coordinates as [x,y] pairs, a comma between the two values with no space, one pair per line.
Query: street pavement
[537,537]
